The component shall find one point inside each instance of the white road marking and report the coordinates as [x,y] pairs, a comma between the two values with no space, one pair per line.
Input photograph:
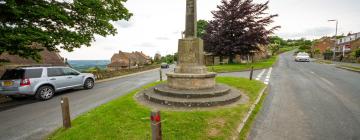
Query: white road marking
[268,76]
[323,79]
[326,81]
[260,74]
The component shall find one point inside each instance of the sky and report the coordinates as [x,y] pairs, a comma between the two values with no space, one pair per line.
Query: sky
[157,24]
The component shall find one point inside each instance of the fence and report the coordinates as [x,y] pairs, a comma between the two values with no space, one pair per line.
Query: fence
[109,74]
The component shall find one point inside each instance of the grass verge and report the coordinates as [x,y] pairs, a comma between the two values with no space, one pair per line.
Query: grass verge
[249,123]
[323,61]
[348,67]
[351,67]
[267,63]
[124,118]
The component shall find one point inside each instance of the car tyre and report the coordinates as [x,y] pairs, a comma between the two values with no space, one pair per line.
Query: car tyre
[89,83]
[45,93]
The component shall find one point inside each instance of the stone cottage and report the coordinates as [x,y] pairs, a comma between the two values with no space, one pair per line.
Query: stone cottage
[262,53]
[125,60]
[47,58]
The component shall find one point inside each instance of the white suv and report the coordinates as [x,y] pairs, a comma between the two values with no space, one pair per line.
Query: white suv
[42,82]
[302,57]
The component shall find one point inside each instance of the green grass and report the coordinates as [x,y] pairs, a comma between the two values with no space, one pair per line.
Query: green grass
[248,125]
[351,67]
[124,118]
[286,49]
[324,61]
[243,67]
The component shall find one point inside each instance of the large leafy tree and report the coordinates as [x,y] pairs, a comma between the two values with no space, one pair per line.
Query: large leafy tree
[201,27]
[67,24]
[239,27]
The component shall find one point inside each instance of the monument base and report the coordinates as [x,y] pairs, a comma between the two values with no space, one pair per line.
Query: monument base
[164,96]
[191,81]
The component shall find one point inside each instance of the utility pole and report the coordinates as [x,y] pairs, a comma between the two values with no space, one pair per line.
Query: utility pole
[336,30]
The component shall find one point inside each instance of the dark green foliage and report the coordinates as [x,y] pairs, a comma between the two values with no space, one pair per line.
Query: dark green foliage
[239,27]
[201,28]
[169,58]
[66,24]
[278,40]
[357,53]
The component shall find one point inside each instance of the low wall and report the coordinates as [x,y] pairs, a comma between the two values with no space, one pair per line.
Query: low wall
[109,74]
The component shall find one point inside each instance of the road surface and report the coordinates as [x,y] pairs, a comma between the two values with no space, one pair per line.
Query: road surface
[31,119]
[309,101]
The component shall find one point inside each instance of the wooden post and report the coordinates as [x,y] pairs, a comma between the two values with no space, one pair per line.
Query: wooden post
[161,75]
[251,72]
[65,112]
[156,125]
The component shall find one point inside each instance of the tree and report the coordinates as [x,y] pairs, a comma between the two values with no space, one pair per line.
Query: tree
[157,57]
[201,28]
[357,53]
[277,40]
[55,23]
[168,59]
[239,27]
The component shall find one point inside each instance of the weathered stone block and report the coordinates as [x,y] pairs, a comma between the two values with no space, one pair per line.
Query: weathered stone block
[191,56]
[191,81]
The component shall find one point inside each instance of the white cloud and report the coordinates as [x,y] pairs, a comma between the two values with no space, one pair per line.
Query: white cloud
[312,33]
[157,24]
[124,23]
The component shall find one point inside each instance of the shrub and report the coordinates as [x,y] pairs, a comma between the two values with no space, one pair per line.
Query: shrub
[357,53]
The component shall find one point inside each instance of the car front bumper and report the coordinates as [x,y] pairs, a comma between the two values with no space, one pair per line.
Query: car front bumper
[302,60]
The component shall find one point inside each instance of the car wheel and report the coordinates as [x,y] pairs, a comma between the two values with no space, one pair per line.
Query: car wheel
[44,93]
[89,83]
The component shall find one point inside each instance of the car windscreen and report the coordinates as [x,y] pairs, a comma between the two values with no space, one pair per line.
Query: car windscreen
[13,74]
[303,54]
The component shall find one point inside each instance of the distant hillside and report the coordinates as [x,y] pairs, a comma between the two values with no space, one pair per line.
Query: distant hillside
[82,65]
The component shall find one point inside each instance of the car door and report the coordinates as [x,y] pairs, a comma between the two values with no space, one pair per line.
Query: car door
[57,77]
[73,77]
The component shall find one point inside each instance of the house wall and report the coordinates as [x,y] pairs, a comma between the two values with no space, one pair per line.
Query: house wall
[123,60]
[324,45]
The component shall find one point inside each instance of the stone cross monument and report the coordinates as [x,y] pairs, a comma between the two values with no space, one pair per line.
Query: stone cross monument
[190,85]
[190,25]
[190,72]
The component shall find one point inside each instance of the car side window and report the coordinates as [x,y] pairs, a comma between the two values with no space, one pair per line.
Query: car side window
[53,72]
[33,73]
[68,71]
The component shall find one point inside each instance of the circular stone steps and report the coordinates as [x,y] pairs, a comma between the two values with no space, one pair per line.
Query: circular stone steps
[217,96]
[218,90]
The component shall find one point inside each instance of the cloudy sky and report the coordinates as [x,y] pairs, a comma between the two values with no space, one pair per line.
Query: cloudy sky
[157,24]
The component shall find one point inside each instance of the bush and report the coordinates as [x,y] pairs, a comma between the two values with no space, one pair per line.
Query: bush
[357,53]
[328,54]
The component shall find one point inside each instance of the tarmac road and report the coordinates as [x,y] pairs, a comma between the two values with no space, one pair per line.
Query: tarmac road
[33,120]
[29,119]
[309,101]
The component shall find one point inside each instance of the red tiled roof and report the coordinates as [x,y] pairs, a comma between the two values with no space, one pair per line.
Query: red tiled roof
[48,57]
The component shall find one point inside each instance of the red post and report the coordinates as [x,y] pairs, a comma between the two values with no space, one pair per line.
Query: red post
[156,125]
